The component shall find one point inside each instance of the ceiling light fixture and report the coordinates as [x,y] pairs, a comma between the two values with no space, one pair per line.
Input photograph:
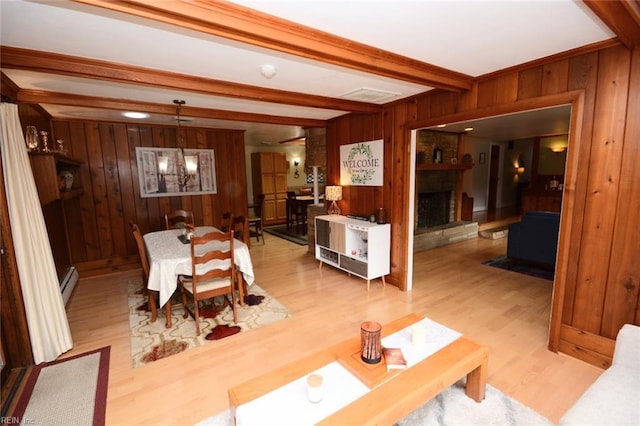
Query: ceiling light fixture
[468,129]
[188,163]
[136,115]
[268,71]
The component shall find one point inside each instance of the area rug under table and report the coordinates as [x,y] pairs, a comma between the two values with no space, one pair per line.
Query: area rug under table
[153,341]
[71,391]
[451,407]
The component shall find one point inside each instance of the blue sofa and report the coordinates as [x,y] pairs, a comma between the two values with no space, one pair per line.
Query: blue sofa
[535,238]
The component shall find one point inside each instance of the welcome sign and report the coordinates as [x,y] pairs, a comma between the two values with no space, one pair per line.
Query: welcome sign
[361,163]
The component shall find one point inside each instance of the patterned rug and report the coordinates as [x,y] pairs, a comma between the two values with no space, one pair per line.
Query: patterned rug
[503,262]
[153,341]
[451,407]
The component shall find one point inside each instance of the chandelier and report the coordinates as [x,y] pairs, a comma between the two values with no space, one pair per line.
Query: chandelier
[187,165]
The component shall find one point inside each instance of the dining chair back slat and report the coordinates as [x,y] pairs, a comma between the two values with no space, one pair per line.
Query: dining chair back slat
[227,219]
[177,219]
[213,272]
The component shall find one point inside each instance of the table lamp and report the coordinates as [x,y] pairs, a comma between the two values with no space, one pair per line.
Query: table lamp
[333,194]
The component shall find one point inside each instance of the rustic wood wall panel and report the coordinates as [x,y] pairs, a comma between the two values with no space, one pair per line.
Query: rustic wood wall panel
[601,276]
[622,302]
[530,83]
[359,200]
[100,233]
[602,189]
[555,77]
[398,180]
[582,76]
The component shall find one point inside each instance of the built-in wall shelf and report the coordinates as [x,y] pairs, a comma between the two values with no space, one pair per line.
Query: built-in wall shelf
[444,167]
[47,167]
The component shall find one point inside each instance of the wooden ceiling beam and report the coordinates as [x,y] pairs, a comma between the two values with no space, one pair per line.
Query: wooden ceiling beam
[54,98]
[48,62]
[242,24]
[621,16]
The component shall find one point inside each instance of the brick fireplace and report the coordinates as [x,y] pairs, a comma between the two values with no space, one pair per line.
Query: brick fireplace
[436,201]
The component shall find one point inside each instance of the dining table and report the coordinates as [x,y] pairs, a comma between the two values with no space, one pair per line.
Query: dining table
[170,257]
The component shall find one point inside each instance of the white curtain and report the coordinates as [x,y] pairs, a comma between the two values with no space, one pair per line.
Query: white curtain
[46,316]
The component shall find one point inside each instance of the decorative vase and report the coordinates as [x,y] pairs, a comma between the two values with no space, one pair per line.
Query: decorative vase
[31,138]
[45,141]
[66,180]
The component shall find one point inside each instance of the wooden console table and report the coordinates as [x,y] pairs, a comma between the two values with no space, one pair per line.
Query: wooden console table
[393,396]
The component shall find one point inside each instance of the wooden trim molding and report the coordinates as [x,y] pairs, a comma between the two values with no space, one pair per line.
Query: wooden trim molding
[235,22]
[43,97]
[622,17]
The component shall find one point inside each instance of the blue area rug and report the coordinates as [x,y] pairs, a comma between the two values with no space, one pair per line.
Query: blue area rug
[282,232]
[503,262]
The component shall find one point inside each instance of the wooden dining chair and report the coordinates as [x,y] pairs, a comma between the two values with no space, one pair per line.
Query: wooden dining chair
[240,227]
[256,221]
[297,214]
[211,282]
[291,198]
[144,260]
[175,218]
[227,219]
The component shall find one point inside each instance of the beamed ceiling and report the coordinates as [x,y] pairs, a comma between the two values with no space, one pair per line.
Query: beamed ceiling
[94,59]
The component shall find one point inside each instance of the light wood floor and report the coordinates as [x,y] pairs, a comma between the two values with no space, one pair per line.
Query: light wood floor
[508,312]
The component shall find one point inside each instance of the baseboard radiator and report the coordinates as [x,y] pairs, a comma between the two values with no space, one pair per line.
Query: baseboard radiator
[68,283]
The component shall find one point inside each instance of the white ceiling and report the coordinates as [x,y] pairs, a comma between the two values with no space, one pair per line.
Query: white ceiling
[469,37]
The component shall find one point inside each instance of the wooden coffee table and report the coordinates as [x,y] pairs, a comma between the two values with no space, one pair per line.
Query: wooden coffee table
[393,394]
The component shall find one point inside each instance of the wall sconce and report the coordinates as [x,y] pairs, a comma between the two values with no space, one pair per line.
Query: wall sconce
[520,170]
[296,174]
[333,194]
[558,149]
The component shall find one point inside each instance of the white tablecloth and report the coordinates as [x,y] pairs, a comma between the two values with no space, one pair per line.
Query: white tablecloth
[169,257]
[288,405]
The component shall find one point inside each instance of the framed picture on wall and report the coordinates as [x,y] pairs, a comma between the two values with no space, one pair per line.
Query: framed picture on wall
[482,158]
[166,172]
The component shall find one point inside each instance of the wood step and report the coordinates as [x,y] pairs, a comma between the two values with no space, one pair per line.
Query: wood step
[494,233]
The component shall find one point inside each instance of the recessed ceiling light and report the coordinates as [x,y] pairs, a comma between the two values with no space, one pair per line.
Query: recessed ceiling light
[468,129]
[137,115]
[442,125]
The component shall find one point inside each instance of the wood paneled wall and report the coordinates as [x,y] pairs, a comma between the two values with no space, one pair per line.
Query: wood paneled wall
[597,287]
[100,236]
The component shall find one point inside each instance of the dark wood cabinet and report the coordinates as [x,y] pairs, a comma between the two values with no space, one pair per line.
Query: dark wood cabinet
[550,201]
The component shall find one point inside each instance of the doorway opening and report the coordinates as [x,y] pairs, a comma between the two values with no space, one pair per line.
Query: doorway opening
[502,157]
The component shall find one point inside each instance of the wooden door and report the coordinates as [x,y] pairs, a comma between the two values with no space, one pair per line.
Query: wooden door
[494,170]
